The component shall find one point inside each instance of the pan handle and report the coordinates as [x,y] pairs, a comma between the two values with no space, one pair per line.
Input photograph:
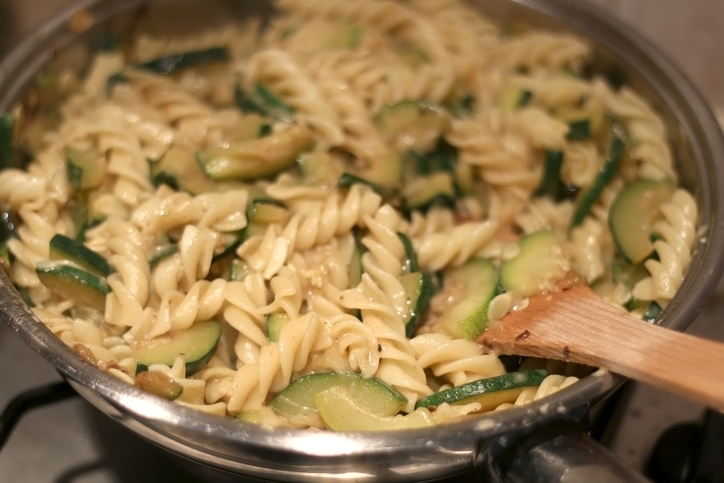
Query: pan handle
[572,457]
[557,451]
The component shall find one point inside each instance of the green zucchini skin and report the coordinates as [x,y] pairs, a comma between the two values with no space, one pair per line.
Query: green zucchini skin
[196,345]
[551,184]
[579,130]
[74,283]
[346,180]
[7,136]
[484,389]
[173,63]
[176,62]
[162,254]
[419,289]
[85,169]
[410,264]
[64,248]
[614,153]
[257,158]
[178,169]
[262,101]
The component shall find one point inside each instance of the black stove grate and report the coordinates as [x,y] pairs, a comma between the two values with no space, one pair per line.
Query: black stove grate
[28,400]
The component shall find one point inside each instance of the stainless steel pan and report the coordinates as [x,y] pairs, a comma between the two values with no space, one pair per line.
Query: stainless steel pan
[543,441]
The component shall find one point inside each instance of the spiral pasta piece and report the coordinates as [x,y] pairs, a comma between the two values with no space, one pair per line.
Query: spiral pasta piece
[437,250]
[678,235]
[646,129]
[458,361]
[398,366]
[542,50]
[502,161]
[320,223]
[290,81]
[433,79]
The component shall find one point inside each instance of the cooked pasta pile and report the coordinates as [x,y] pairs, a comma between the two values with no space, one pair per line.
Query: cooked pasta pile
[316,184]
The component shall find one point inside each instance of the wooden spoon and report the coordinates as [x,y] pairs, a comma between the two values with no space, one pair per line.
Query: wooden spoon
[574,324]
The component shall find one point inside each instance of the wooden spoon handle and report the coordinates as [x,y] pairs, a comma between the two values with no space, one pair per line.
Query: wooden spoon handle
[578,326]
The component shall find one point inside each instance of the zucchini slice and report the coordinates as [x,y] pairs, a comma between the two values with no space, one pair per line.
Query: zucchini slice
[579,130]
[424,191]
[319,169]
[64,248]
[652,312]
[633,214]
[262,101]
[196,345]
[355,268]
[539,263]
[176,62]
[551,184]
[171,64]
[613,159]
[251,126]
[348,179]
[238,270]
[262,213]
[470,288]
[178,169]
[442,158]
[255,159]
[85,168]
[490,392]
[341,411]
[513,98]
[7,140]
[412,125]
[274,324]
[162,253]
[74,283]
[77,208]
[410,264]
[419,288]
[297,401]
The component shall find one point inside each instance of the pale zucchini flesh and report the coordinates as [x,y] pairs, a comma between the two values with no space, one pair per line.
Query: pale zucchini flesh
[297,401]
[274,324]
[633,214]
[74,283]
[341,411]
[255,159]
[471,287]
[196,345]
[85,168]
[538,265]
